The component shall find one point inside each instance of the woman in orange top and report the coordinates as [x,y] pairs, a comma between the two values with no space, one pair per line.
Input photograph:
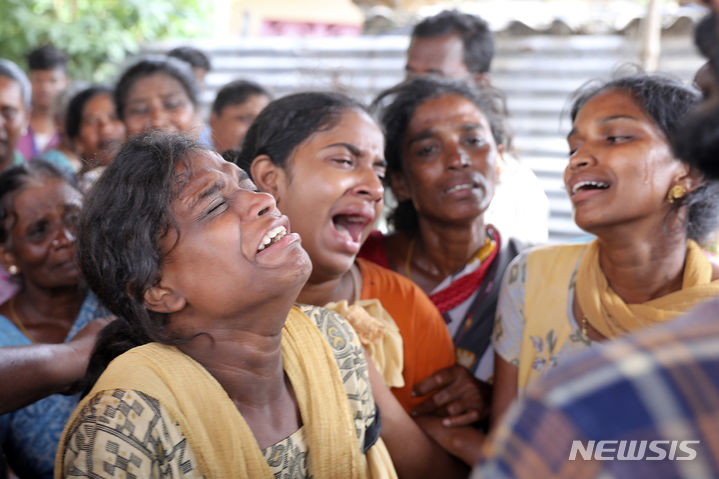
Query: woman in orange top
[322,157]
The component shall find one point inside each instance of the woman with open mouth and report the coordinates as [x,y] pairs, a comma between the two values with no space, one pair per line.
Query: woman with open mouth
[216,372]
[647,209]
[322,157]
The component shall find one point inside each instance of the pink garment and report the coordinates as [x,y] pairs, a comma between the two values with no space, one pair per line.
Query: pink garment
[8,287]
[27,147]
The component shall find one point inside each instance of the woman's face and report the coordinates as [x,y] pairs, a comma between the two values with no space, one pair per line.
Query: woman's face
[159,102]
[101,132]
[449,158]
[13,114]
[235,249]
[332,191]
[230,126]
[42,239]
[621,165]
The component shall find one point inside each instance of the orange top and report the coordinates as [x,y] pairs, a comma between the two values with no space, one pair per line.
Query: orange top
[426,343]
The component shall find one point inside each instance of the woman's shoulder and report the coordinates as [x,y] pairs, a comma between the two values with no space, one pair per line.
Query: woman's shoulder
[551,256]
[380,282]
[334,327]
[132,428]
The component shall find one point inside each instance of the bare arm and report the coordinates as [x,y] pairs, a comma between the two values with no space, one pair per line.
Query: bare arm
[506,388]
[30,373]
[414,454]
[465,442]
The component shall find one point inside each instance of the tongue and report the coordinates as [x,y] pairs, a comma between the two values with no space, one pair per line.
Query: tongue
[350,225]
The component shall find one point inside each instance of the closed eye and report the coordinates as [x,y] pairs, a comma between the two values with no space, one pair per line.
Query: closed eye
[216,208]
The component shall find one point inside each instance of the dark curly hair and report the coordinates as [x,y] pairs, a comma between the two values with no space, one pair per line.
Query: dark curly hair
[667,102]
[118,245]
[396,107]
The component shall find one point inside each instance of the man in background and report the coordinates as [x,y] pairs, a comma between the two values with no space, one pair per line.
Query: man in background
[47,67]
[460,46]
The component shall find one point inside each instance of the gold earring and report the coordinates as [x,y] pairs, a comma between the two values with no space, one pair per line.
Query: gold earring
[676,192]
[13,270]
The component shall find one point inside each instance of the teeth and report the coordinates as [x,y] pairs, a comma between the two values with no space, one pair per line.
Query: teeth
[594,184]
[459,187]
[272,236]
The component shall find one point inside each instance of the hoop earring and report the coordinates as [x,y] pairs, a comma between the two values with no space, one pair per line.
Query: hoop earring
[676,192]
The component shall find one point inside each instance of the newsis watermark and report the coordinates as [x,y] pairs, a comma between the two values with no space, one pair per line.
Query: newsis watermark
[639,450]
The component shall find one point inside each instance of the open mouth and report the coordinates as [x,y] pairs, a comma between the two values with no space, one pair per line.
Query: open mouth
[351,225]
[588,185]
[465,186]
[272,237]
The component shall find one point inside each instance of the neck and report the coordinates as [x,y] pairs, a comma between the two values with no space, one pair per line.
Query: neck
[323,290]
[57,303]
[640,270]
[442,249]
[41,120]
[243,351]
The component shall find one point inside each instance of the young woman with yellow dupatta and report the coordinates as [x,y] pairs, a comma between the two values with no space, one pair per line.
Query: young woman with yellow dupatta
[216,373]
[647,209]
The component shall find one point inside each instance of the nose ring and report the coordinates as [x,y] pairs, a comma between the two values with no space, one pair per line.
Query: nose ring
[55,242]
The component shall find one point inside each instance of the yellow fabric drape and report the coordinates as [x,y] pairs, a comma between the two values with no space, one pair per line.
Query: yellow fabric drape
[223,442]
[378,333]
[611,316]
[546,291]
[545,306]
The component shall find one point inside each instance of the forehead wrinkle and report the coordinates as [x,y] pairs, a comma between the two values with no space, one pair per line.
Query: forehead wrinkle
[348,146]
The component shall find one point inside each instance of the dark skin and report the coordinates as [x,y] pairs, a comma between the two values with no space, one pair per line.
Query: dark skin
[42,247]
[642,237]
[222,221]
[448,146]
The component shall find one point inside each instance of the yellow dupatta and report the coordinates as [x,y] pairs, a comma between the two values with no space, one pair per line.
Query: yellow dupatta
[221,439]
[611,316]
[546,293]
[546,300]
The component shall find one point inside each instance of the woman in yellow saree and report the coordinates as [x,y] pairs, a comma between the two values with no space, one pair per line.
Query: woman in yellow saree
[218,373]
[647,209]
